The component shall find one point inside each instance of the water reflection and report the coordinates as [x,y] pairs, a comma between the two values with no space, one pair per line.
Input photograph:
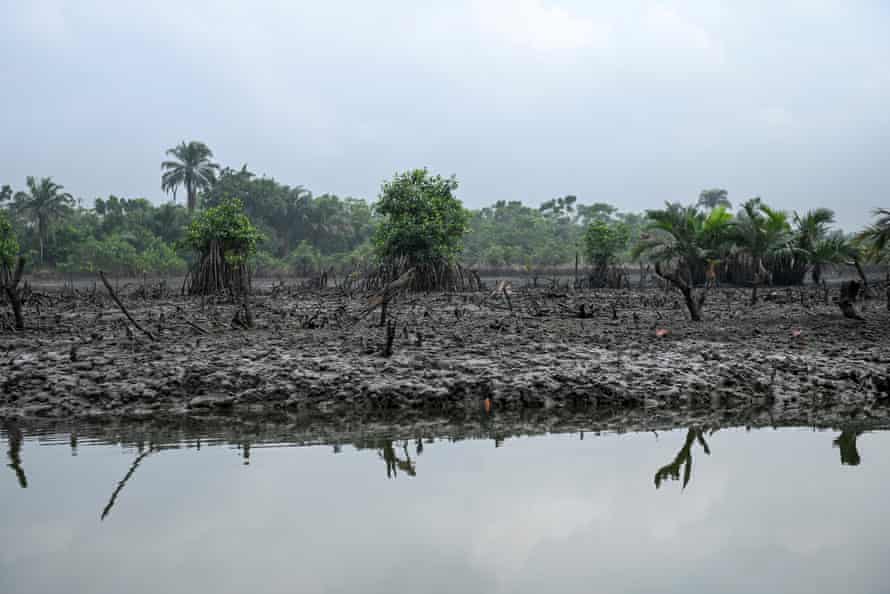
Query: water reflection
[683,459]
[123,481]
[846,441]
[387,452]
[15,437]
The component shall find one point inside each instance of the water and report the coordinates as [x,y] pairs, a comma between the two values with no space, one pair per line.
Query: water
[789,510]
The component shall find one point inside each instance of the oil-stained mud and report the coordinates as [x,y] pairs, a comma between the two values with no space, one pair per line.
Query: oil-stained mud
[792,358]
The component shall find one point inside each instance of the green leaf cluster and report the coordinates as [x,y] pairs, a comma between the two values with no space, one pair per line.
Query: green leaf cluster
[228,226]
[422,219]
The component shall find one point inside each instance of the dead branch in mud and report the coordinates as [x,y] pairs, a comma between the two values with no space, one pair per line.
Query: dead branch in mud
[383,297]
[122,308]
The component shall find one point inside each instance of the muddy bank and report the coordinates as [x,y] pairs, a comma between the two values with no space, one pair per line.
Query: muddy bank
[790,359]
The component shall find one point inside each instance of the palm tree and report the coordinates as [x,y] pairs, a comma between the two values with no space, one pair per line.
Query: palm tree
[43,203]
[686,238]
[812,241]
[192,170]
[876,236]
[761,232]
[711,199]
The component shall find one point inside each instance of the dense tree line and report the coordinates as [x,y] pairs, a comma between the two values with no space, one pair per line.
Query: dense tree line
[302,233]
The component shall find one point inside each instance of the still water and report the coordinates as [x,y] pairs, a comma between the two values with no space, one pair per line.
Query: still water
[788,510]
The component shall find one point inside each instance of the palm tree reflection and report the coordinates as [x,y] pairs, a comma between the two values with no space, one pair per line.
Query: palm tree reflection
[683,459]
[16,437]
[846,441]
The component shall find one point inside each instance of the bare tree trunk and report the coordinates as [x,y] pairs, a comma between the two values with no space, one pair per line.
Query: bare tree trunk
[11,281]
[693,302]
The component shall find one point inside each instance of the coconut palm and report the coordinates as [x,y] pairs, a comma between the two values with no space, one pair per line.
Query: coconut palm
[43,203]
[876,236]
[192,169]
[761,232]
[685,239]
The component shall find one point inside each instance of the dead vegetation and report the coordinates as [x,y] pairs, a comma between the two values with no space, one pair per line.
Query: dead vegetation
[141,349]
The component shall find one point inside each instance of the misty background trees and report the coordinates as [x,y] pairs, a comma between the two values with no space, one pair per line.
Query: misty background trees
[303,233]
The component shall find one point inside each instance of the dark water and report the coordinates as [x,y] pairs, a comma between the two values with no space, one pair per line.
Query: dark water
[782,511]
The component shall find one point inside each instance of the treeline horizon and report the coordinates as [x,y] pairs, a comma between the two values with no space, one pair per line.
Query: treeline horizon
[303,233]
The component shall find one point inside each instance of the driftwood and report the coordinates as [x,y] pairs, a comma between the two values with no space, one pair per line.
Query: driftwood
[122,308]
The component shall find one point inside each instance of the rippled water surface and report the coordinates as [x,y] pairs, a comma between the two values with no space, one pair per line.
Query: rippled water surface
[789,510]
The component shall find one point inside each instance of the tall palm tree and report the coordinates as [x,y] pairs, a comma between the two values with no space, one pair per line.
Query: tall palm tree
[192,169]
[685,238]
[43,203]
[711,199]
[760,232]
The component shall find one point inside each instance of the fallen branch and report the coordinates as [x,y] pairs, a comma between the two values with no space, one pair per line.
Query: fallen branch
[122,308]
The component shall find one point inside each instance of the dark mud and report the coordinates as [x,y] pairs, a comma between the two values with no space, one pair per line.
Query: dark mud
[790,359]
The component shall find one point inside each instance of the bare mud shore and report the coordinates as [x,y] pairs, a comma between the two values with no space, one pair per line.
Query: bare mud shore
[635,362]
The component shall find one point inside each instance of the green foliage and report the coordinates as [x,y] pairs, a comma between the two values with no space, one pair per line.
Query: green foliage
[761,231]
[43,204]
[604,241]
[714,197]
[423,221]
[876,237]
[9,245]
[228,226]
[685,235]
[191,169]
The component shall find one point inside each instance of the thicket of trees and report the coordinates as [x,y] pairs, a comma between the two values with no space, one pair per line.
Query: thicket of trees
[417,213]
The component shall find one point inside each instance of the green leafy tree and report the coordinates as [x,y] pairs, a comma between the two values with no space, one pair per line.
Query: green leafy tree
[604,242]
[43,204]
[11,265]
[681,239]
[423,223]
[223,238]
[191,169]
[9,245]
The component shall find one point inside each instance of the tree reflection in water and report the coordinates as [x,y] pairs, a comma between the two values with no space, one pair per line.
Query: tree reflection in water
[123,482]
[846,441]
[15,437]
[388,453]
[683,460]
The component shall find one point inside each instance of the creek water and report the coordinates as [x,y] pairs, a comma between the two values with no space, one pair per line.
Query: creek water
[786,510]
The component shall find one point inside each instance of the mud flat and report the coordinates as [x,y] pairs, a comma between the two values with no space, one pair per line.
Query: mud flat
[632,360]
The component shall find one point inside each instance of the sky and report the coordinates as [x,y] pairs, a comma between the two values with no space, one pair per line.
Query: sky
[633,102]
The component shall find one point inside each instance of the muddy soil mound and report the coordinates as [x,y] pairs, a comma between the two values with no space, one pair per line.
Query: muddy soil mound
[793,357]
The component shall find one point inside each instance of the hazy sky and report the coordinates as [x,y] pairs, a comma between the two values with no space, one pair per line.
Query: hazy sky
[629,102]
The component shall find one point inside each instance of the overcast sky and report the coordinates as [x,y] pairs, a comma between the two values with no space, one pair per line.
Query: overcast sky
[629,102]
